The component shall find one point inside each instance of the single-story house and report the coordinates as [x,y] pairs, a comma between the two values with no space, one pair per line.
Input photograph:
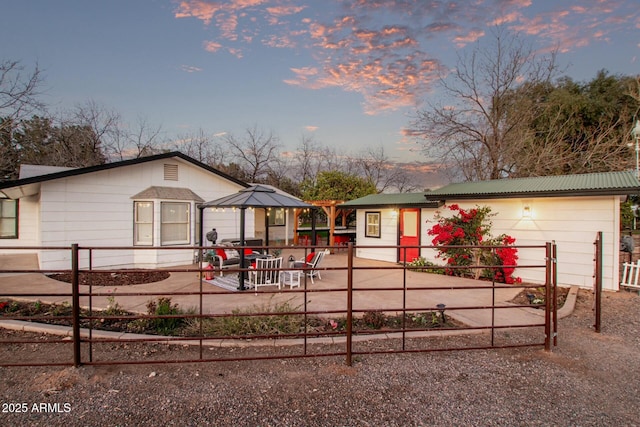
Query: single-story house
[149,202]
[569,210]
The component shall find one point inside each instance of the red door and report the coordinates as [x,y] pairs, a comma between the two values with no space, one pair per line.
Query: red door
[409,234]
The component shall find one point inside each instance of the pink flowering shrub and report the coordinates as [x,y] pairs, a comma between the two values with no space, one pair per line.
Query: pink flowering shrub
[472,228]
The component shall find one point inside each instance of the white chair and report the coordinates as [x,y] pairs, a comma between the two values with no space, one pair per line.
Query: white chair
[266,273]
[313,264]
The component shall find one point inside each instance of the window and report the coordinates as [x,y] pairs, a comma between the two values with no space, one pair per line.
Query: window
[174,223]
[373,224]
[143,223]
[8,219]
[276,216]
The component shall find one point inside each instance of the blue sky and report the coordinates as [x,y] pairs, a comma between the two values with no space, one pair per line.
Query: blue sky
[349,73]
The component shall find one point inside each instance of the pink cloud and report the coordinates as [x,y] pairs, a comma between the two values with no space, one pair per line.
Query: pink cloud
[211,46]
[469,37]
[380,48]
[199,9]
[285,10]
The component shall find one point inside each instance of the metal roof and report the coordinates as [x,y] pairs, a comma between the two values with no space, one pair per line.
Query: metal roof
[601,183]
[257,196]
[390,200]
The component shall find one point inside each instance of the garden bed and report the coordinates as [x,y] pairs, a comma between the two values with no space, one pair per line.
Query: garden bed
[243,325]
[123,278]
[536,297]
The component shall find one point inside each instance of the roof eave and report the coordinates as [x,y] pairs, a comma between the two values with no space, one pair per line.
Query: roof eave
[107,166]
[538,194]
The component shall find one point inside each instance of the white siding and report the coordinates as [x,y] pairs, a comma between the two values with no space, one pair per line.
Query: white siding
[96,209]
[388,236]
[571,222]
[28,225]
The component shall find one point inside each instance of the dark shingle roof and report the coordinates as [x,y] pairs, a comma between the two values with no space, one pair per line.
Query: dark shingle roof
[106,166]
[600,183]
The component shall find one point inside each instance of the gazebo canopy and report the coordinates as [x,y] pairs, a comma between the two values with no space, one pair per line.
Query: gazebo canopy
[257,196]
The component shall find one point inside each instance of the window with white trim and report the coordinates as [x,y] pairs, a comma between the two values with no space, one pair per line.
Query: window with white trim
[372,224]
[8,219]
[175,225]
[143,223]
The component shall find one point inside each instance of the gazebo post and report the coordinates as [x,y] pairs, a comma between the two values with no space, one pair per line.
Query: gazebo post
[314,236]
[241,273]
[266,229]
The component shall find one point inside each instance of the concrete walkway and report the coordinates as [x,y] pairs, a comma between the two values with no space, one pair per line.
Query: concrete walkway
[368,274]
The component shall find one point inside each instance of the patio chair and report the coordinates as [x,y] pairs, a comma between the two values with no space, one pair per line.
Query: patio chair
[265,273]
[312,261]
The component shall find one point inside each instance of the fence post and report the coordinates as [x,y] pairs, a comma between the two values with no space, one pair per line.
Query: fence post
[598,281]
[75,304]
[554,282]
[349,302]
[547,297]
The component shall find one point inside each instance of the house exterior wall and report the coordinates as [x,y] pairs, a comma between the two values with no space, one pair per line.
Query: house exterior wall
[388,236]
[28,225]
[96,209]
[571,222]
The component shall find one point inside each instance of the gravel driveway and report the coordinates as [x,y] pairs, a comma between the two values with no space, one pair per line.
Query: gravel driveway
[588,380]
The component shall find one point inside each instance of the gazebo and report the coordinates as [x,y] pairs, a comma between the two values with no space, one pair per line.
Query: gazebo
[256,197]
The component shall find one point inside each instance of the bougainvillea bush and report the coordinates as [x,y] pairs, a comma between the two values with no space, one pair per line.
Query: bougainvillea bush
[469,228]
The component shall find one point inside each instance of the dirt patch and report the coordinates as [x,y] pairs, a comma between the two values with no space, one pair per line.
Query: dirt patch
[126,278]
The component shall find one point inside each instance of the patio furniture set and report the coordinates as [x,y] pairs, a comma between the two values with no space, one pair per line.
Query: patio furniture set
[265,269]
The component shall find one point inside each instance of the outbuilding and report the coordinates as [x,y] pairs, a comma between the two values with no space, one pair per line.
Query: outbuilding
[569,210]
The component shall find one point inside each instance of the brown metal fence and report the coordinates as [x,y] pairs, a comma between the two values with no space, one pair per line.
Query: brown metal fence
[330,314]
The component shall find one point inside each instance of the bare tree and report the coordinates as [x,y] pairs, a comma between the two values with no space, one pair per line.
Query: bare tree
[255,152]
[104,124]
[475,133]
[18,92]
[203,148]
[144,138]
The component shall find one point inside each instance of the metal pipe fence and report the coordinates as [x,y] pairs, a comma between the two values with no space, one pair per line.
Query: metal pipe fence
[362,303]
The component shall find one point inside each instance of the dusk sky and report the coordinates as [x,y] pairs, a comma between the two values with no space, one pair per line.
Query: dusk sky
[350,73]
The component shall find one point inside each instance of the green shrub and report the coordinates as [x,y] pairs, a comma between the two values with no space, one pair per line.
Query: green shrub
[163,307]
[245,321]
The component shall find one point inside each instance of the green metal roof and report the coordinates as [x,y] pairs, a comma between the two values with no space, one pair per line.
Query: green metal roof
[391,200]
[602,183]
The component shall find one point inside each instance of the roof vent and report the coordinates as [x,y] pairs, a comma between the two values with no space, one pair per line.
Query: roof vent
[170,172]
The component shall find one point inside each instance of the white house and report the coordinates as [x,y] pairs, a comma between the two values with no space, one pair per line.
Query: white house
[149,203]
[569,210]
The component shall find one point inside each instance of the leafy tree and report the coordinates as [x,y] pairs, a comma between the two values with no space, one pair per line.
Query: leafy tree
[337,185]
[578,128]
[39,141]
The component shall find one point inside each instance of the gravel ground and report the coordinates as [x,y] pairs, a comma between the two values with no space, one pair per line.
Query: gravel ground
[588,380]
